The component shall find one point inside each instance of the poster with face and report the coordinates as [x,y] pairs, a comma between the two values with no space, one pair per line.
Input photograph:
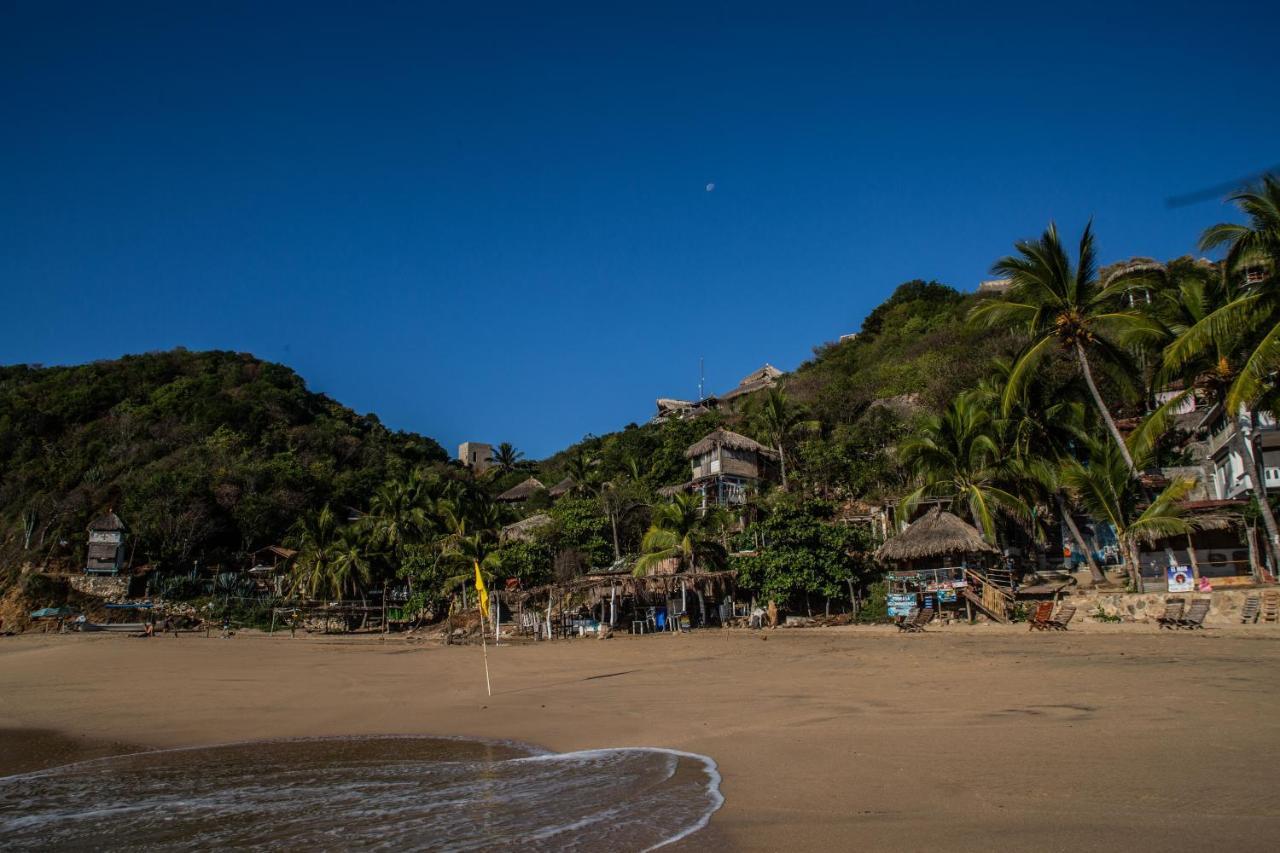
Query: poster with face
[1180,579]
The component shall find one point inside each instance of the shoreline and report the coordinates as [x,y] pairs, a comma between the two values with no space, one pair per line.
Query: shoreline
[822,736]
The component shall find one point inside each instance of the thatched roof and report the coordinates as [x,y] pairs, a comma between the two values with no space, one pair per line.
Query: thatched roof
[671,491]
[935,534]
[522,531]
[522,491]
[568,484]
[725,438]
[765,377]
[108,522]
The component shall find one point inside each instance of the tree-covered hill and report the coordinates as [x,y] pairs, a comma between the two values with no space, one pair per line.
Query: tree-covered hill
[205,455]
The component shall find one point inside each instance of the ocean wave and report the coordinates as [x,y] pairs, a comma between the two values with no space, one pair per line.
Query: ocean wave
[369,792]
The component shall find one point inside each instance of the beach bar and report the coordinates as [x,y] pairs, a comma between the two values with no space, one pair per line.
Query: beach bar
[942,562]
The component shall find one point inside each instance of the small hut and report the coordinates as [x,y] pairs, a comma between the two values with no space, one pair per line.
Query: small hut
[523,530]
[564,487]
[934,561]
[106,545]
[521,491]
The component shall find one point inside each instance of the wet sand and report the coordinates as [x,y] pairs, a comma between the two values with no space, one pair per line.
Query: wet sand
[964,738]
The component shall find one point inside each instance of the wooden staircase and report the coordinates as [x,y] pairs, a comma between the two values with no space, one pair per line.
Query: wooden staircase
[990,592]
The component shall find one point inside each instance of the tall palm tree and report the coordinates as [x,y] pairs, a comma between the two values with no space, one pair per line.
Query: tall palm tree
[1105,487]
[955,455]
[777,420]
[1040,431]
[1063,305]
[684,530]
[506,458]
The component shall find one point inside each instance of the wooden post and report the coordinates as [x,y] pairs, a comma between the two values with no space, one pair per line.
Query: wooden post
[1195,564]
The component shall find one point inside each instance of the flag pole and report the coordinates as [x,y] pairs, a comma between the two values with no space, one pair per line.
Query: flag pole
[484,648]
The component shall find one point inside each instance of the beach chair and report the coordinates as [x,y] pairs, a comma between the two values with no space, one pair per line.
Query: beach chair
[1195,615]
[1066,613]
[1270,606]
[1040,620]
[916,626]
[1172,613]
[1252,607]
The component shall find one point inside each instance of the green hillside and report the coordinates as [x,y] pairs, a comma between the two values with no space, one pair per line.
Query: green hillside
[206,455]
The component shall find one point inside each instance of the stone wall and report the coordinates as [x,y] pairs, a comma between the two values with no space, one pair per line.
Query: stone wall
[1145,607]
[112,590]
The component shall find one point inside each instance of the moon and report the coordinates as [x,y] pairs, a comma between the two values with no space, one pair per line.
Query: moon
[711,187]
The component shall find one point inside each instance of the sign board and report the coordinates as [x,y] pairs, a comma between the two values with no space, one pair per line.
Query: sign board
[900,605]
[1180,579]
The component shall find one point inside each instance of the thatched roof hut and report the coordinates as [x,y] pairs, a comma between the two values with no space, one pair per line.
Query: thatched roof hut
[564,487]
[522,531]
[522,491]
[935,534]
[725,438]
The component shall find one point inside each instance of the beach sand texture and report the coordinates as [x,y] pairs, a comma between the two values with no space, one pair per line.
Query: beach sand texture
[963,738]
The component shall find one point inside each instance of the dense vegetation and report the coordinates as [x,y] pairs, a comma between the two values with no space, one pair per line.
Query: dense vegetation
[206,455]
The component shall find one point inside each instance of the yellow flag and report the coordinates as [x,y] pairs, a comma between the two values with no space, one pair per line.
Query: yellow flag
[482,592]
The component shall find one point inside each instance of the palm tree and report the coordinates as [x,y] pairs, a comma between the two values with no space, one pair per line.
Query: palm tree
[1064,305]
[506,458]
[330,560]
[583,469]
[955,455]
[398,516]
[1039,433]
[684,530]
[1104,485]
[777,421]
[1248,323]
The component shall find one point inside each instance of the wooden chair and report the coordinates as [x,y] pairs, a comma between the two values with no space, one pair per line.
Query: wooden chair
[1252,607]
[1066,613]
[1195,614]
[904,623]
[916,626]
[1041,619]
[1270,606]
[1172,613]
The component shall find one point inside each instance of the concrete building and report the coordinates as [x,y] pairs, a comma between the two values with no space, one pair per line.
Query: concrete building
[476,455]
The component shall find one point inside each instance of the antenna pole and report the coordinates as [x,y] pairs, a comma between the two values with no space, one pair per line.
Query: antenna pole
[702,379]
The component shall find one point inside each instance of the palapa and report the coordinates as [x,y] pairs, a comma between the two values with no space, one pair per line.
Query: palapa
[935,534]
[522,491]
[568,484]
[522,531]
[726,438]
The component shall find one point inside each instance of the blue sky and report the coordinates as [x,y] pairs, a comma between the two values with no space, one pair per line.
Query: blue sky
[495,224]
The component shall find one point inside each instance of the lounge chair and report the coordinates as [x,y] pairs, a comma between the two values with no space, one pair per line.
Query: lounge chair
[1040,620]
[1270,606]
[1195,615]
[1251,609]
[1172,613]
[916,625]
[1066,613]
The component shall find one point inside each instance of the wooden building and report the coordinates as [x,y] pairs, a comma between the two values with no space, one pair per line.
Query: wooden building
[727,466]
[106,545]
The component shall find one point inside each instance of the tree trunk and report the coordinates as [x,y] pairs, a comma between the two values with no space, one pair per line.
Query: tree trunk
[782,465]
[1135,565]
[613,521]
[1191,556]
[1087,372]
[1094,571]
[1257,485]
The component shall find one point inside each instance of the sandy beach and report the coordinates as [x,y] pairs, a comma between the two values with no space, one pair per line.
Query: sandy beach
[966,737]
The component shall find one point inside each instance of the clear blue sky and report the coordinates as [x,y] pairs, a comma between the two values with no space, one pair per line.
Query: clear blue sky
[495,224]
